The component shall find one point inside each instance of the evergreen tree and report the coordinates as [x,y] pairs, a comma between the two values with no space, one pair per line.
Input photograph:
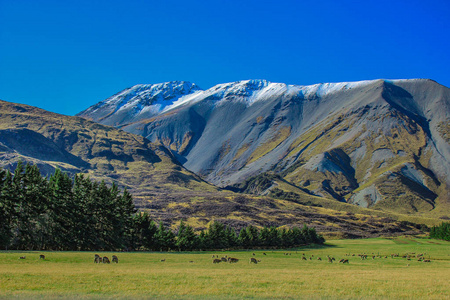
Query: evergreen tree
[441,232]
[274,240]
[164,238]
[244,239]
[143,235]
[231,236]
[186,238]
[217,236]
[5,209]
[61,213]
[85,232]
[253,236]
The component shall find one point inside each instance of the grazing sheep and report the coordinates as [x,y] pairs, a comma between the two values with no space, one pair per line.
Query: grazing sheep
[345,261]
[341,261]
[97,259]
[163,260]
[253,260]
[22,257]
[319,258]
[106,260]
[115,259]
[191,261]
[426,260]
[330,260]
[216,261]
[264,253]
[41,256]
[303,258]
[224,259]
[232,260]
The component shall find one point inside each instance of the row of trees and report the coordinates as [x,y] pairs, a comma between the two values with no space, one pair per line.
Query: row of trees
[60,213]
[441,232]
[218,236]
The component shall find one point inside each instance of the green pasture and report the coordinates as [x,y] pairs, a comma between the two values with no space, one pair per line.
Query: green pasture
[192,275]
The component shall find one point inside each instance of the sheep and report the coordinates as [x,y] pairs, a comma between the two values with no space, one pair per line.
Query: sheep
[97,259]
[216,261]
[41,256]
[253,260]
[106,260]
[115,259]
[232,260]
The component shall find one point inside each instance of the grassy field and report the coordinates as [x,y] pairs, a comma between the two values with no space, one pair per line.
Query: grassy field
[193,275]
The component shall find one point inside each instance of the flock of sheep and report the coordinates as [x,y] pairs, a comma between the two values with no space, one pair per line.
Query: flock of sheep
[408,256]
[98,259]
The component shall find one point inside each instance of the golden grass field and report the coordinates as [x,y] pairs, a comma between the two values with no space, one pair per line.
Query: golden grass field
[192,275]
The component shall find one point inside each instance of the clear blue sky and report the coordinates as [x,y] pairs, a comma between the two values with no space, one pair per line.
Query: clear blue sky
[65,56]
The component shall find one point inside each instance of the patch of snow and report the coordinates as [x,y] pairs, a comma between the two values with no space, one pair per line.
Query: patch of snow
[191,98]
[323,89]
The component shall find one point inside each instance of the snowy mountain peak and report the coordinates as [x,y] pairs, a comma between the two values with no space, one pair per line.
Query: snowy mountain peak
[323,89]
[141,101]
[146,94]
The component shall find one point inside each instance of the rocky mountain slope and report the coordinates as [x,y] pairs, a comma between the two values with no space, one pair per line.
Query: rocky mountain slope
[163,187]
[380,144]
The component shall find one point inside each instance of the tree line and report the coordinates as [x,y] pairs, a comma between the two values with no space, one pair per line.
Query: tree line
[441,232]
[63,213]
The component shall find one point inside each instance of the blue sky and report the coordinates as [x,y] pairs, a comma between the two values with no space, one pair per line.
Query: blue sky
[65,56]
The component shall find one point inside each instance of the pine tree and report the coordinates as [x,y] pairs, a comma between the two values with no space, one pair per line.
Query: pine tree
[243,238]
[186,238]
[62,212]
[231,236]
[5,209]
[253,236]
[85,231]
[264,237]
[164,238]
[217,235]
[144,231]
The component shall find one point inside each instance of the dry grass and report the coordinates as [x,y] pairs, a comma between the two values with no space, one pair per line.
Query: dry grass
[143,275]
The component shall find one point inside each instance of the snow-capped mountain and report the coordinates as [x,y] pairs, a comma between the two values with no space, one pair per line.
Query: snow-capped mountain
[382,143]
[140,101]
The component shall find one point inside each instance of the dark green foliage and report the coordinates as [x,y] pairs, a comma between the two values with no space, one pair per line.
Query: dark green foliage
[186,238]
[441,232]
[61,213]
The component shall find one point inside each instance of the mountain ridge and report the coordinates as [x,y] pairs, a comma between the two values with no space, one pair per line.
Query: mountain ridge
[169,192]
[235,131]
